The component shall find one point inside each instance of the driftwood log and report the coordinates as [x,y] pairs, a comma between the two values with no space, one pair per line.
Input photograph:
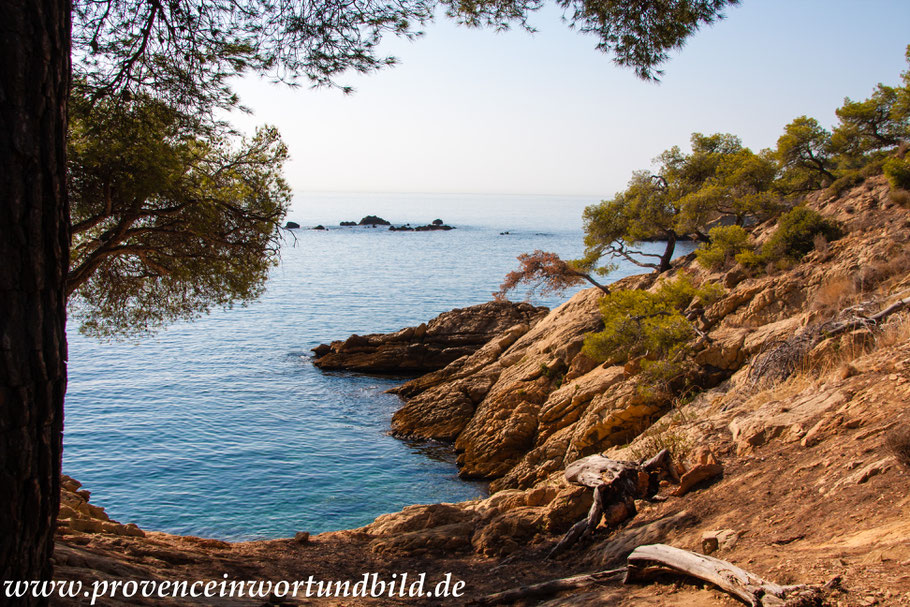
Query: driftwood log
[624,542]
[753,590]
[646,561]
[616,484]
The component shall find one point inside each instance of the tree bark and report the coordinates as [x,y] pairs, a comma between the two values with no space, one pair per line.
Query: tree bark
[748,587]
[34,249]
[667,257]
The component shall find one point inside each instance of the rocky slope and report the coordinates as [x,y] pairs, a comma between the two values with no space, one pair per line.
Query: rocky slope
[805,487]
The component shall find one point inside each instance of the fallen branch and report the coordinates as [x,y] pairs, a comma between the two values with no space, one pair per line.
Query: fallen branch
[753,590]
[864,321]
[779,361]
[551,587]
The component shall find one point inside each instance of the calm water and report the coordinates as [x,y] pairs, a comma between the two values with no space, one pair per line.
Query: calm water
[223,428]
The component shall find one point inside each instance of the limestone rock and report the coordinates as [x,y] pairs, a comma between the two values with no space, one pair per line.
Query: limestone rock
[418,518]
[509,531]
[724,539]
[442,540]
[427,347]
[695,475]
[77,515]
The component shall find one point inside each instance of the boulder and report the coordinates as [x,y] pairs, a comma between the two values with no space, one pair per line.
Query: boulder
[292,225]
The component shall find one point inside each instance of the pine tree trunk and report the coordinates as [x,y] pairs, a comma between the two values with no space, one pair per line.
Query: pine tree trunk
[34,255]
[668,252]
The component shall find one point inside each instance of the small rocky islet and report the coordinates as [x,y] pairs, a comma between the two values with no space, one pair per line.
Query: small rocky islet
[796,479]
[371,221]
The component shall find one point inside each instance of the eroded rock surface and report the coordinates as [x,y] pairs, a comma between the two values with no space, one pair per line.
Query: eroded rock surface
[428,346]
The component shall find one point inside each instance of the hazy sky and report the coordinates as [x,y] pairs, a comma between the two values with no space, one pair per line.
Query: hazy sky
[473,111]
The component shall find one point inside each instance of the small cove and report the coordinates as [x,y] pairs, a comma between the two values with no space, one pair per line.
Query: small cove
[223,428]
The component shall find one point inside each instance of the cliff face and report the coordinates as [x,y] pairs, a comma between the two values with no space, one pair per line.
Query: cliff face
[809,489]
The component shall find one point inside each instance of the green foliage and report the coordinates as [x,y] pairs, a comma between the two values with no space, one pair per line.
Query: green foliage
[167,221]
[750,258]
[718,179]
[795,236]
[640,35]
[898,172]
[873,125]
[847,181]
[186,52]
[804,155]
[796,232]
[810,157]
[726,243]
[639,323]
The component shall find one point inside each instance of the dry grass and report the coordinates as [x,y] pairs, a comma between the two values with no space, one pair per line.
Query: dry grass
[882,271]
[900,197]
[896,330]
[849,348]
[898,442]
[820,243]
[834,295]
[665,433]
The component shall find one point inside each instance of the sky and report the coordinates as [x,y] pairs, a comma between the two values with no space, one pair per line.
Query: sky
[475,111]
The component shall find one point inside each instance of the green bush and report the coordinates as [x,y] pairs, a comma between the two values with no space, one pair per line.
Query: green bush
[726,243]
[750,259]
[898,172]
[796,233]
[849,180]
[639,323]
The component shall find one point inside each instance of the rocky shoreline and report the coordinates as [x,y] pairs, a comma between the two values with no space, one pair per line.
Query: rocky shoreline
[796,476]
[429,346]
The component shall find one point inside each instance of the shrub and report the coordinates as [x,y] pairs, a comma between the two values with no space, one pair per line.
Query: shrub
[750,259]
[646,323]
[726,243]
[796,232]
[850,180]
[898,172]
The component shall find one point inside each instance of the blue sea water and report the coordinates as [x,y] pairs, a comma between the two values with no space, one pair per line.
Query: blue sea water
[223,428]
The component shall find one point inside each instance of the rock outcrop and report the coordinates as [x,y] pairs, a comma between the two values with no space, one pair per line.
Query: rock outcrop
[429,346]
[525,405]
[432,227]
[795,476]
[373,220]
[78,517]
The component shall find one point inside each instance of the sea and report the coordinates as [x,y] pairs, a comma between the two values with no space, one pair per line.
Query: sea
[222,427]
